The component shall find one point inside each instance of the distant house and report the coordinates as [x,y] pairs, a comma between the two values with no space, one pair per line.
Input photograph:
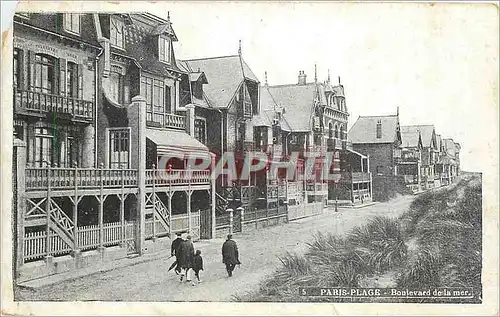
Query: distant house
[449,163]
[429,152]
[409,165]
[379,138]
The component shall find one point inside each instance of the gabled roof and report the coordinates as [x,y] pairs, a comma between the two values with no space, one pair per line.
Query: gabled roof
[450,147]
[225,75]
[298,101]
[410,139]
[426,132]
[165,28]
[364,129]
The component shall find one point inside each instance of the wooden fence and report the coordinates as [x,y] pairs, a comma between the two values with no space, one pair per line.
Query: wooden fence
[304,210]
[35,243]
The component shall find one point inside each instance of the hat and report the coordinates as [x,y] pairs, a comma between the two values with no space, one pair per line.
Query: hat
[188,237]
[229,236]
[178,234]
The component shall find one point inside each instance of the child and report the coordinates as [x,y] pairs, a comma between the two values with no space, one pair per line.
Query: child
[197,265]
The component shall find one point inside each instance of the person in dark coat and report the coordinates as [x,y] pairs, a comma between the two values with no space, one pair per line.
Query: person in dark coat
[230,255]
[173,252]
[185,257]
[197,265]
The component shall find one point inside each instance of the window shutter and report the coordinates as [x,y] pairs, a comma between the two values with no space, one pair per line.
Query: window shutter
[80,81]
[55,77]
[31,69]
[20,69]
[62,76]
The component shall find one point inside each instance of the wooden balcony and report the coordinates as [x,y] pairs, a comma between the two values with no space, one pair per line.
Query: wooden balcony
[166,120]
[177,177]
[335,144]
[354,177]
[41,104]
[41,178]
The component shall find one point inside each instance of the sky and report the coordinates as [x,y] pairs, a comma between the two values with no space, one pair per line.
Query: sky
[437,62]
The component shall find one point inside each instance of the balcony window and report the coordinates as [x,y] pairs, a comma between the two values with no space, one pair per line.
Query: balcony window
[72,22]
[44,79]
[116,32]
[158,99]
[43,148]
[119,149]
[200,130]
[164,49]
[72,80]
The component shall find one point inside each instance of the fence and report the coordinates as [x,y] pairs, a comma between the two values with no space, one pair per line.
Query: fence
[304,210]
[35,243]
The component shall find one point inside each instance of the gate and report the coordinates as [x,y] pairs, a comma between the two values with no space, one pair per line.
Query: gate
[206,224]
[130,234]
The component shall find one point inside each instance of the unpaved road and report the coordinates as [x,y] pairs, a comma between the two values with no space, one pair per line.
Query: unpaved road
[259,252]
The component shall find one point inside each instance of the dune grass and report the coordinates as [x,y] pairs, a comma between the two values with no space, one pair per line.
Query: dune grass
[446,225]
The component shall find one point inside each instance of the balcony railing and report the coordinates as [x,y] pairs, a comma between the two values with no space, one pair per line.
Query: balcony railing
[33,102]
[354,177]
[166,120]
[177,177]
[40,178]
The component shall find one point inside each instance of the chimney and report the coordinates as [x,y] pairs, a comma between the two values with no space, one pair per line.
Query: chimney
[302,77]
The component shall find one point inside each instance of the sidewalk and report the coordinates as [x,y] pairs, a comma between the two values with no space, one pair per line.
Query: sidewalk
[106,267]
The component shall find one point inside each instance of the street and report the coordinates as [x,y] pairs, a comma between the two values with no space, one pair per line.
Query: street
[259,252]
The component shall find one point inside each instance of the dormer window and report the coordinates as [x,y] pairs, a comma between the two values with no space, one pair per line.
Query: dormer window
[164,49]
[116,32]
[72,22]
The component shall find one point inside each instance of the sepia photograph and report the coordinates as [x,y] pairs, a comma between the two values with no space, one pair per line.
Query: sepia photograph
[251,152]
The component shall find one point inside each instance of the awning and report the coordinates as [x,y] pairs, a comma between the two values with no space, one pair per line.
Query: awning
[357,153]
[175,142]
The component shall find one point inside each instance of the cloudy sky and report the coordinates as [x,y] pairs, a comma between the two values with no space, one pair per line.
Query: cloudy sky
[438,63]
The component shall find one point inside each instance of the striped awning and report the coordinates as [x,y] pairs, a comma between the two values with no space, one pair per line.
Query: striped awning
[175,142]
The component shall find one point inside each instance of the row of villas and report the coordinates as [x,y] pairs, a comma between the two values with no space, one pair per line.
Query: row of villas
[100,99]
[411,158]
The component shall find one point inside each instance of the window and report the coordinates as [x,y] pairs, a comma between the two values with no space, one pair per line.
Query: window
[16,69]
[44,79]
[164,49]
[72,80]
[116,84]
[158,99]
[336,132]
[72,22]
[116,32]
[294,139]
[247,102]
[43,147]
[380,170]
[200,130]
[379,129]
[119,149]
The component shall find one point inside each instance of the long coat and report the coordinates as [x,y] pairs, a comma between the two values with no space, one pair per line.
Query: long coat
[230,252]
[185,254]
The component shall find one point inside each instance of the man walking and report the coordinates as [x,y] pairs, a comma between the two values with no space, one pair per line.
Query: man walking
[185,257]
[173,252]
[230,255]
